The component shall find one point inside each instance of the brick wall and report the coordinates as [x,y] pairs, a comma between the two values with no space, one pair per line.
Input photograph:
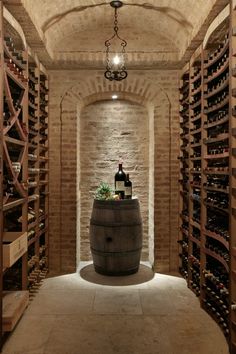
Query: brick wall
[158,92]
[166,135]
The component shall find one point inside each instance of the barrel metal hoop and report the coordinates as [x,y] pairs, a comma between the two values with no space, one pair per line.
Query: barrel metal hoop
[107,224]
[117,207]
[119,253]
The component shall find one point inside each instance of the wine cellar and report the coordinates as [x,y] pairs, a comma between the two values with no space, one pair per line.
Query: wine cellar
[118,177]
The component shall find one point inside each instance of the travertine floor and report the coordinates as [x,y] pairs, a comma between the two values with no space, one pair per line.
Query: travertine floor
[136,314]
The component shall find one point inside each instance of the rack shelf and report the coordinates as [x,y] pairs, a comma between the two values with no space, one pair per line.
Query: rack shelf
[218,90]
[218,55]
[217,122]
[217,107]
[215,189]
[196,118]
[194,239]
[13,203]
[217,237]
[218,72]
[216,256]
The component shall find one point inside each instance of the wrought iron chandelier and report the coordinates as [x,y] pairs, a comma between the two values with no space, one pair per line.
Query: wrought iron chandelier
[115,67]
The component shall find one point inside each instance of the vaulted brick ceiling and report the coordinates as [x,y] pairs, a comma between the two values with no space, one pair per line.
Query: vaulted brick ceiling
[158,32]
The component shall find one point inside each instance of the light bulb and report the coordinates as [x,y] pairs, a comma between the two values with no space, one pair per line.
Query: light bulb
[116,60]
[114,97]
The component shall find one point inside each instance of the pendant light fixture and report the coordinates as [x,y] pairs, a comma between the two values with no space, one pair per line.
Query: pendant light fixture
[115,51]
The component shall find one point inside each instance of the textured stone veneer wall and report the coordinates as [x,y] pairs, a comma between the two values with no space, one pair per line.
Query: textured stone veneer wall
[70,94]
[110,130]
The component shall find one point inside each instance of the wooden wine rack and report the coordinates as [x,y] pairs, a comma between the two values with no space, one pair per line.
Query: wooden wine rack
[184,172]
[207,238]
[24,171]
[1,167]
[232,166]
[195,165]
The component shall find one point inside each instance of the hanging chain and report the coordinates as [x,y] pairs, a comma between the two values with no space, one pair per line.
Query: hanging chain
[116,21]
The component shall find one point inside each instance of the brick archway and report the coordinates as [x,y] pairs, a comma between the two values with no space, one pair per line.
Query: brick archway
[154,98]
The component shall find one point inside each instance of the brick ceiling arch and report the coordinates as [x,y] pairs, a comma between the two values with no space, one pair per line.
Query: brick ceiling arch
[159,33]
[97,88]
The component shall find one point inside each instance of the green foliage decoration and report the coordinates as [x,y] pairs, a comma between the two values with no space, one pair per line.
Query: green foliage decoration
[104,192]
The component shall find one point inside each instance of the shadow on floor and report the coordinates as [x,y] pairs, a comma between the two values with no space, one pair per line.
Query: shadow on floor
[143,275]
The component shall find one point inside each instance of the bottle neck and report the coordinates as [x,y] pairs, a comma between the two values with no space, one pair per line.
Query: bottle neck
[120,166]
[127,177]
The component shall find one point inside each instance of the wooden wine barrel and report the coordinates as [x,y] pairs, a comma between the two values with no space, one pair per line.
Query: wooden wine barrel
[116,236]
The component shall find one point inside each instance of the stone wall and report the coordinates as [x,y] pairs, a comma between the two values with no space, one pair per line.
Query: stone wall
[112,130]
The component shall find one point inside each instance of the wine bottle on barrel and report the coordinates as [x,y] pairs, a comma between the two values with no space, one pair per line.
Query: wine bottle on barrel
[120,178]
[128,187]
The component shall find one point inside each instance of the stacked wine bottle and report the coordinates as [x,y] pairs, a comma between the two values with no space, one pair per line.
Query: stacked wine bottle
[215,272]
[184,174]
[123,185]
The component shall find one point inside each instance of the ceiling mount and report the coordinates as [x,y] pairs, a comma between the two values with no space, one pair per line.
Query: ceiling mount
[116,4]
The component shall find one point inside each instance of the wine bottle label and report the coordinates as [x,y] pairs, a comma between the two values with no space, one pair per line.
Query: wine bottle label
[128,191]
[120,185]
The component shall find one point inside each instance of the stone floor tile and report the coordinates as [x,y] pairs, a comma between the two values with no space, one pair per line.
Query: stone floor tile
[25,351]
[62,302]
[65,282]
[195,333]
[107,334]
[156,302]
[30,335]
[117,301]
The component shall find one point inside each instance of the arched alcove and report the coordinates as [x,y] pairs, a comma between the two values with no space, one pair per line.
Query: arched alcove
[115,129]
[161,203]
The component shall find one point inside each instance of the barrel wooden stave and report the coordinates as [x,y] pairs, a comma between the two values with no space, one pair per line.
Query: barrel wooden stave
[116,237]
